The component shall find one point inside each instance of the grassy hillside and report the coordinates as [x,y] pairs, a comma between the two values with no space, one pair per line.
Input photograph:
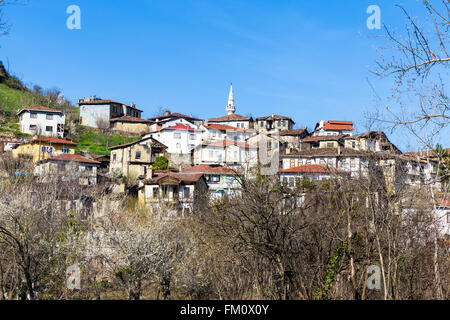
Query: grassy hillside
[14,96]
[94,140]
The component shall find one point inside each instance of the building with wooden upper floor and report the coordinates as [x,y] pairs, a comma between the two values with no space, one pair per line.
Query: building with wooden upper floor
[43,148]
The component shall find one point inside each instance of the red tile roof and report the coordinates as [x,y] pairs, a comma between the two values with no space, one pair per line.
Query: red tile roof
[223,127]
[39,108]
[73,157]
[181,126]
[205,168]
[226,143]
[334,126]
[54,140]
[313,168]
[230,117]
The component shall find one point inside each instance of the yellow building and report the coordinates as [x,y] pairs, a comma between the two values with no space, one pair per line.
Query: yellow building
[43,148]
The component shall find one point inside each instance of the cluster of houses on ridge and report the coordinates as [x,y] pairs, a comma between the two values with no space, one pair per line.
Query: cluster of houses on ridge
[211,155]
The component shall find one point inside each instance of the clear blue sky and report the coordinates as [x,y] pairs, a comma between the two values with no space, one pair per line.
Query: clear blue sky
[305,59]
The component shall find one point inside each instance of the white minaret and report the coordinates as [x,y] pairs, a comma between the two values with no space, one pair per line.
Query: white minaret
[230,106]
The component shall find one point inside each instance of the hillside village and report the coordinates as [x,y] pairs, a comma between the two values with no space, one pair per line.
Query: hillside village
[178,166]
[178,156]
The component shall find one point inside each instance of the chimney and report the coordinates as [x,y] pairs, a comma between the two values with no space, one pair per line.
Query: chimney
[167,112]
[133,105]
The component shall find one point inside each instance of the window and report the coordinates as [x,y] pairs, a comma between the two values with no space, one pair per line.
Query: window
[49,128]
[262,124]
[211,154]
[330,145]
[66,150]
[279,123]
[114,157]
[33,127]
[187,192]
[49,117]
[33,115]
[88,168]
[215,179]
[285,180]
[292,163]
[284,123]
[177,135]
[291,181]
[353,145]
[238,125]
[192,137]
[60,128]
[178,145]
[235,154]
[138,154]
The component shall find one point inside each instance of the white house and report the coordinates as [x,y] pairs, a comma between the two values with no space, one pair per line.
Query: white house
[234,154]
[313,172]
[179,138]
[333,128]
[220,132]
[42,121]
[169,119]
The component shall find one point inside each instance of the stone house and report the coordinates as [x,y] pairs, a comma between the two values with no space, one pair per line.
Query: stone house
[136,158]
[96,112]
[130,125]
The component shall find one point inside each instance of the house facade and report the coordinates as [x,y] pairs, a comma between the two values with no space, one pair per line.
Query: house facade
[96,112]
[314,172]
[169,119]
[333,128]
[234,154]
[220,180]
[136,158]
[68,167]
[130,125]
[43,148]
[274,122]
[173,194]
[42,121]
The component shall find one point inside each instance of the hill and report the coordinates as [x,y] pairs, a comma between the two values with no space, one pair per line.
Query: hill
[14,96]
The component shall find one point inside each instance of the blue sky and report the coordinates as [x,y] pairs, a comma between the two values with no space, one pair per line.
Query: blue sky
[309,60]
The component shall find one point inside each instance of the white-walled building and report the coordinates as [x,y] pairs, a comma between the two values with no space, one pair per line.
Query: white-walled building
[220,132]
[234,154]
[333,128]
[42,121]
[313,172]
[179,138]
[170,119]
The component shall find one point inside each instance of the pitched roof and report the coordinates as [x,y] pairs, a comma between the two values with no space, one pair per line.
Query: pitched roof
[274,117]
[324,138]
[130,119]
[173,116]
[230,117]
[105,101]
[53,140]
[72,157]
[313,168]
[226,143]
[205,168]
[324,152]
[180,126]
[223,127]
[181,177]
[155,142]
[298,132]
[39,108]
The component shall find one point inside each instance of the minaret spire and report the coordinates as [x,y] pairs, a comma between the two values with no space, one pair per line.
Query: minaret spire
[230,106]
